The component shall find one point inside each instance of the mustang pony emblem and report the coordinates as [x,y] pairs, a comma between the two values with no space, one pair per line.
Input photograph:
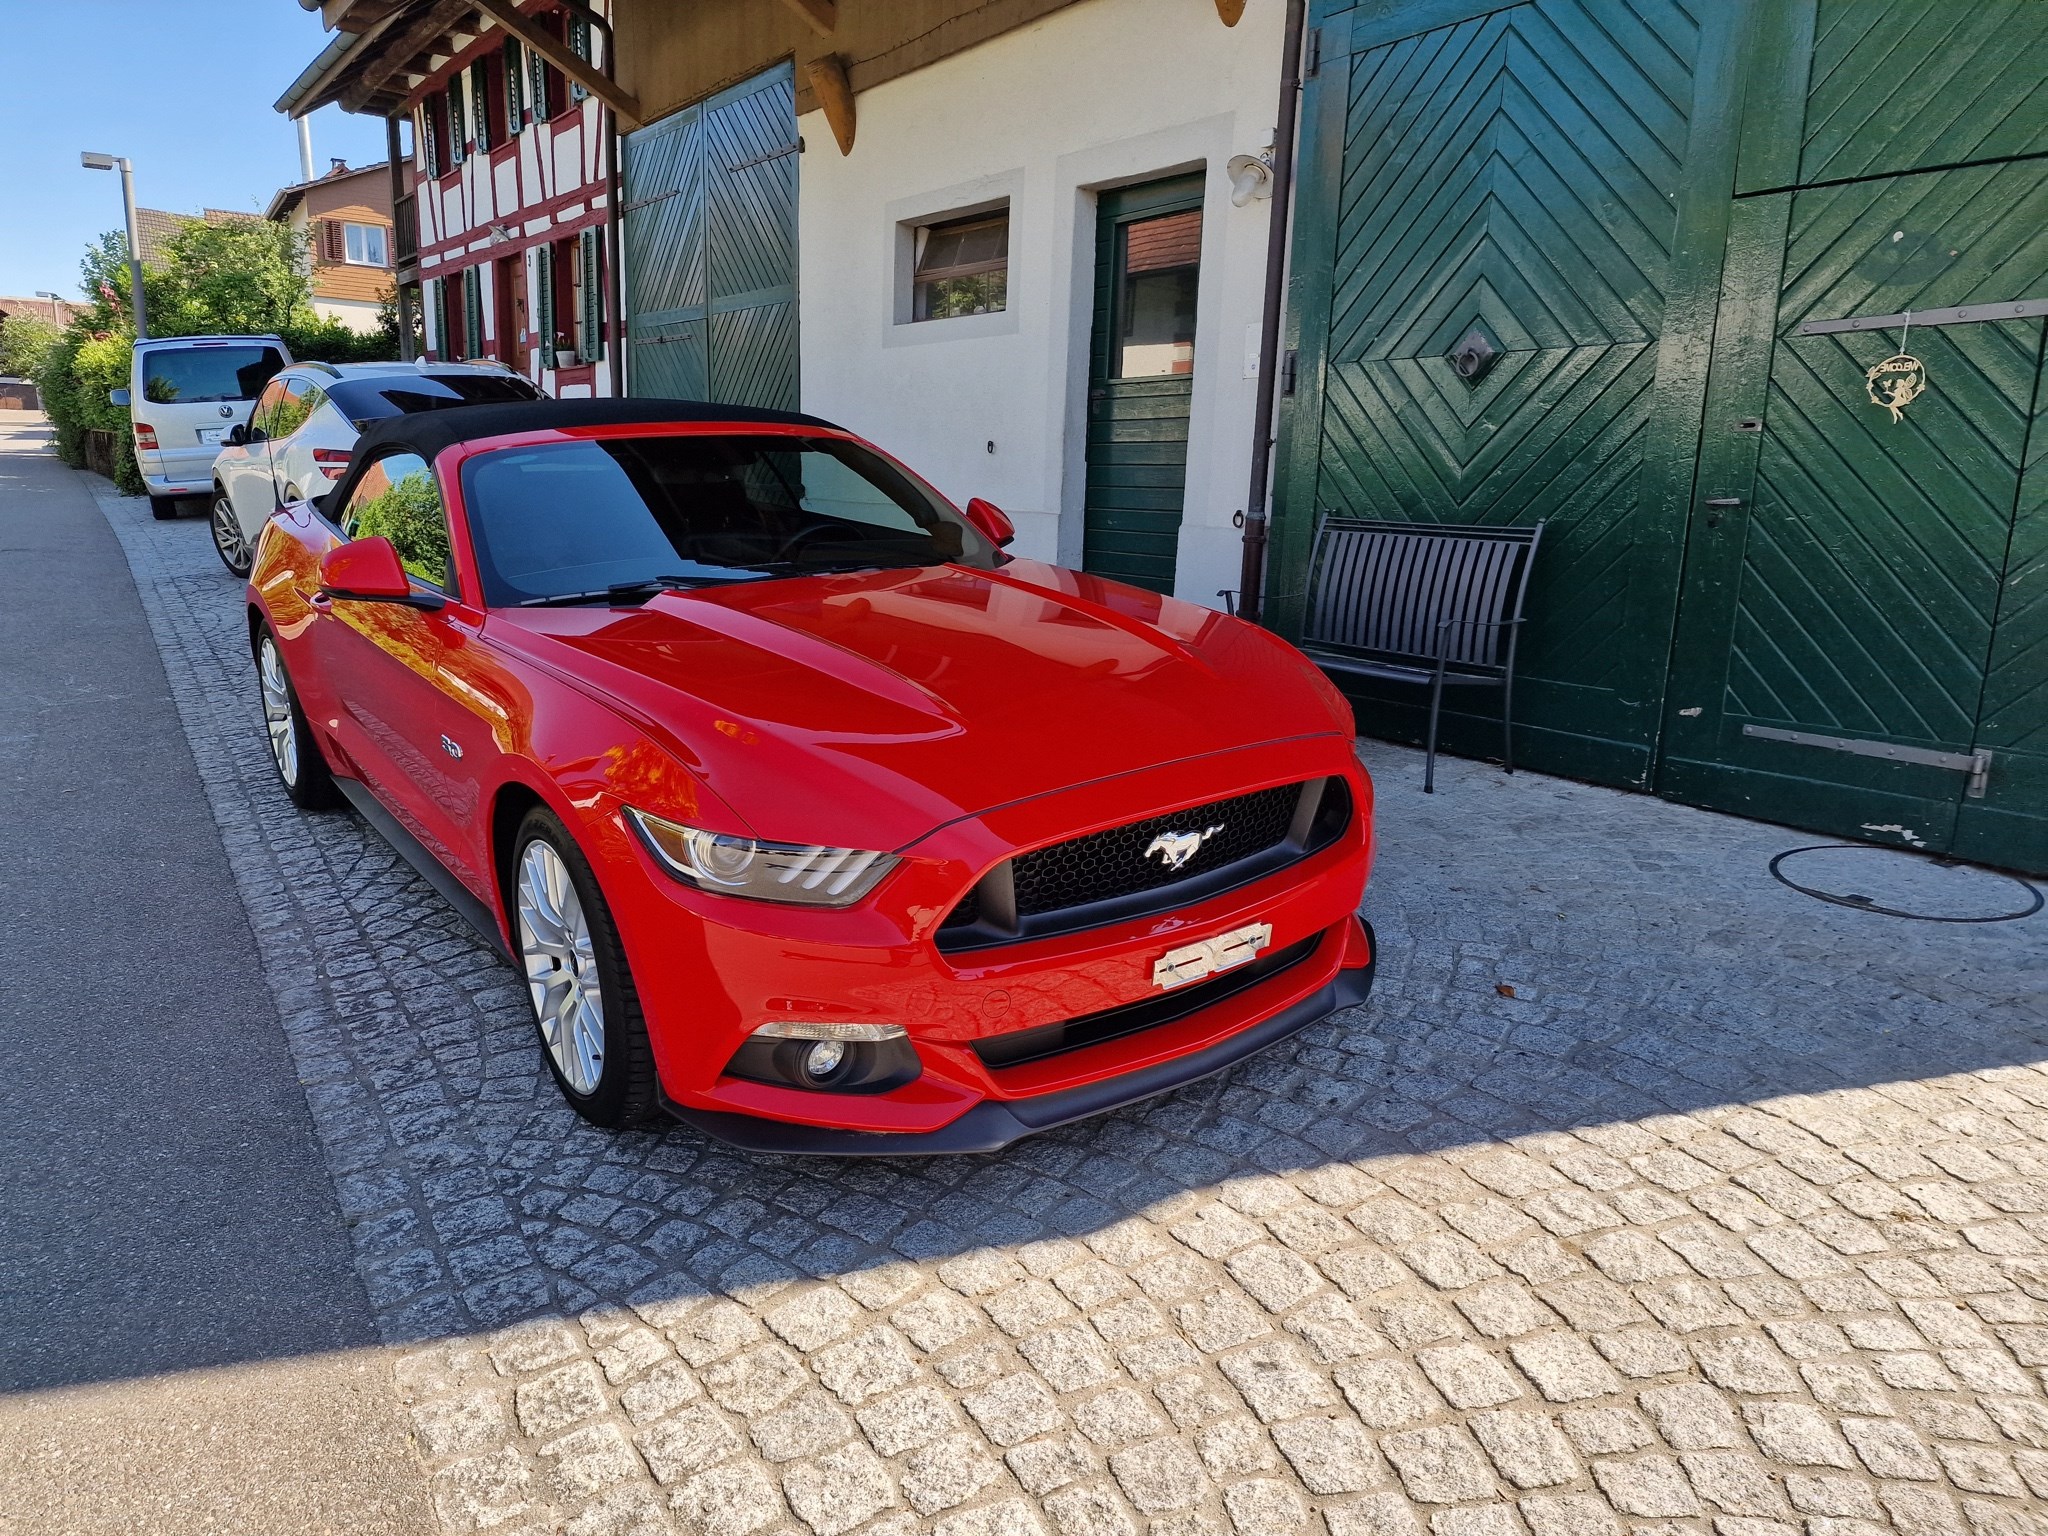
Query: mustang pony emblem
[1176,848]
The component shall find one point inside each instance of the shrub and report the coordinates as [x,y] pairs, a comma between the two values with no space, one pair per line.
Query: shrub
[24,341]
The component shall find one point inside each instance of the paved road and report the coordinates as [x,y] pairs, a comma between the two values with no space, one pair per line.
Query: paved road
[183,1339]
[1646,1194]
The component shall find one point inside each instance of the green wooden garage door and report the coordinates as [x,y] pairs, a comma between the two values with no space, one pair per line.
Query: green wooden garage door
[710,218]
[1758,591]
[1530,174]
[1863,647]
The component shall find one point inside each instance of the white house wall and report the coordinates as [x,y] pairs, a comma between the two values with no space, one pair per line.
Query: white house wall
[1101,94]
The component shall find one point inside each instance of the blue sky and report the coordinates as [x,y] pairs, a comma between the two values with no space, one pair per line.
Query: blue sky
[183,88]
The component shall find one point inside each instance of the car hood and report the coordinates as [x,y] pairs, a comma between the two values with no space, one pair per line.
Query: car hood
[887,703]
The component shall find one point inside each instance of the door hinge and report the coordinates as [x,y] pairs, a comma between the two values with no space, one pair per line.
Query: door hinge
[1312,54]
[1976,764]
[1289,361]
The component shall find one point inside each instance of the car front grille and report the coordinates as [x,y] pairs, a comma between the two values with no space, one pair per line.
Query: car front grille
[1125,871]
[1116,863]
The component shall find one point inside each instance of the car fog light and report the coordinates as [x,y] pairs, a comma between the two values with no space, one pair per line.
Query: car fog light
[823,1058]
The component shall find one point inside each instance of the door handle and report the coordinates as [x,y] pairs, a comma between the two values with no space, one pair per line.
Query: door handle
[1716,505]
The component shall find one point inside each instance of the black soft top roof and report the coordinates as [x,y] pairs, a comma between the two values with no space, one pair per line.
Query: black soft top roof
[428,432]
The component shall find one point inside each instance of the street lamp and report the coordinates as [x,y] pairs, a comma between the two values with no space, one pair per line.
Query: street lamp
[93,162]
[56,299]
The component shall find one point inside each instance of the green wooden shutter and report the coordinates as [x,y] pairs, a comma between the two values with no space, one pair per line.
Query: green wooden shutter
[544,274]
[515,86]
[590,339]
[429,139]
[473,312]
[480,103]
[437,301]
[537,85]
[455,133]
[579,44]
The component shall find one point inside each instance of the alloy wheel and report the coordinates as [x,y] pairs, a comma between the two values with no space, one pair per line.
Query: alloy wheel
[227,537]
[277,710]
[561,966]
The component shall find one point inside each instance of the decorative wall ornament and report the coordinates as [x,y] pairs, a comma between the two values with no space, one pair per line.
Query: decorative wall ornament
[1898,380]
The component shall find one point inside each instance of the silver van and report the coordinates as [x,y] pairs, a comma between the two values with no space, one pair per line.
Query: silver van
[184,395]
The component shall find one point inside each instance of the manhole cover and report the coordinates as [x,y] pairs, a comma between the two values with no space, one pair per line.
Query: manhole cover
[1898,884]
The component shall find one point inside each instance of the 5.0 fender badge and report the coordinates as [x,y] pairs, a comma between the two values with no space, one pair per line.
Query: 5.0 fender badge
[451,746]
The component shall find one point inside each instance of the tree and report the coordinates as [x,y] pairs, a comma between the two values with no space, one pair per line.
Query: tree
[241,277]
[24,341]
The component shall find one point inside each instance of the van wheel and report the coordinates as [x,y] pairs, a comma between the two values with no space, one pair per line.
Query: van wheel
[163,508]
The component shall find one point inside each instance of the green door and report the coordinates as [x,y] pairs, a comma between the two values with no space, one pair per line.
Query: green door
[1526,185]
[710,235]
[1863,641]
[1141,365]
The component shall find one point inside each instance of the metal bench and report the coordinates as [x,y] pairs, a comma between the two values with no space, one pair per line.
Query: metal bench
[1427,603]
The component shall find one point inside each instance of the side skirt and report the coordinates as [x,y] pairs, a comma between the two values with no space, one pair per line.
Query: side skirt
[431,869]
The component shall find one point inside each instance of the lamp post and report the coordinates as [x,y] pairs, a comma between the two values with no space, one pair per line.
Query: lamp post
[56,300]
[96,162]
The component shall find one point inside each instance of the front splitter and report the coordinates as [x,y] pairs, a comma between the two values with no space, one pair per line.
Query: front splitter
[993,1124]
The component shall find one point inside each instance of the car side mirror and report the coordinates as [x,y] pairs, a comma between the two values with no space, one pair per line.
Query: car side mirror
[118,397]
[991,521]
[369,571]
[238,435]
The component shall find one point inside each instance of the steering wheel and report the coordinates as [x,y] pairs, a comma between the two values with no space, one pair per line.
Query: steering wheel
[797,541]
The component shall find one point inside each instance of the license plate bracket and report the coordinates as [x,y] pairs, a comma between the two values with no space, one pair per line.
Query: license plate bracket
[1224,952]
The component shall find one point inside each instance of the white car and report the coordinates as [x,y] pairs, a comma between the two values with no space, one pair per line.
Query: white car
[299,437]
[185,395]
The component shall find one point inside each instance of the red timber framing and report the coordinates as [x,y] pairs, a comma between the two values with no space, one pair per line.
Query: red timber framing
[503,203]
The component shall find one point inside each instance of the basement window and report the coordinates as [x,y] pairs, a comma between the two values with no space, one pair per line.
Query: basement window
[963,267]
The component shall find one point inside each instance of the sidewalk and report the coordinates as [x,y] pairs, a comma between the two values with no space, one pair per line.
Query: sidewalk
[184,1346]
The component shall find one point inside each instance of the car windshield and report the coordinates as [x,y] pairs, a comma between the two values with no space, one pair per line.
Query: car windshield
[183,375]
[567,521]
[366,400]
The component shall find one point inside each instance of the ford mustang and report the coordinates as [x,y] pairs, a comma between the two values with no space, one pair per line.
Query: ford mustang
[810,816]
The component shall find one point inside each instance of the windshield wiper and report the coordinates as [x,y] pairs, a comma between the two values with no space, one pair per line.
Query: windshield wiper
[626,591]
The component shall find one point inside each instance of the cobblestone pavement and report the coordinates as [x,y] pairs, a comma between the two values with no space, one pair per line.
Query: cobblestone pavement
[1645,1195]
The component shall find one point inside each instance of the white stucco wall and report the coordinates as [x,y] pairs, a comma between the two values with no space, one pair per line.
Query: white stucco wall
[1101,94]
[357,314]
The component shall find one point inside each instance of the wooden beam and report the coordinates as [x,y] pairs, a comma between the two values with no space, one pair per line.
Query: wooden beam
[405,43]
[1232,11]
[558,53]
[823,15]
[835,97]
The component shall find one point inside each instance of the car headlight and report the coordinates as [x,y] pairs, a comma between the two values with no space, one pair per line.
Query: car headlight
[803,875]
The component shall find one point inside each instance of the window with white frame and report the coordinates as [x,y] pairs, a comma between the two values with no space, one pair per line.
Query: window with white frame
[365,245]
[962,267]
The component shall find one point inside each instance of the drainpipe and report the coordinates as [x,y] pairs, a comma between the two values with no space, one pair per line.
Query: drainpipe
[1252,578]
[407,352]
[615,289]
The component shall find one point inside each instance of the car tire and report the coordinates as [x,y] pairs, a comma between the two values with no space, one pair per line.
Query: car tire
[592,1034]
[294,752]
[163,508]
[234,550]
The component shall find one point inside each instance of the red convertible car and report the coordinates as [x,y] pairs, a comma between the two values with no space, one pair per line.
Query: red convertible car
[811,816]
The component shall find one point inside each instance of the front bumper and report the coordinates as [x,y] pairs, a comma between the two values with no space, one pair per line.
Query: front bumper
[710,969]
[995,1123]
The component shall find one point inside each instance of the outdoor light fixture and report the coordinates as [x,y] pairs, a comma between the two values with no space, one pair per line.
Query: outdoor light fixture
[56,301]
[93,161]
[1251,177]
